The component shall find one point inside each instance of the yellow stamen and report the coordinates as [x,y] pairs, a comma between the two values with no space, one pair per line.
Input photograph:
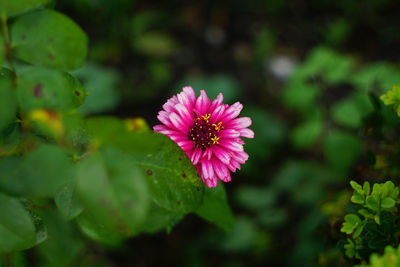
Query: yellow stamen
[215,140]
[206,117]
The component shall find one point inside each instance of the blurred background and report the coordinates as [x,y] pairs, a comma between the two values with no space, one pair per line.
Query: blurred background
[309,74]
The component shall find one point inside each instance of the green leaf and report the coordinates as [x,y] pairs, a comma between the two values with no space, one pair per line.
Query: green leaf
[10,8]
[101,84]
[388,203]
[372,202]
[174,182]
[366,188]
[346,113]
[307,133]
[39,87]
[300,96]
[215,208]
[356,186]
[114,193]
[159,218]
[50,39]
[351,222]
[45,169]
[357,198]
[17,229]
[341,149]
[67,201]
[63,244]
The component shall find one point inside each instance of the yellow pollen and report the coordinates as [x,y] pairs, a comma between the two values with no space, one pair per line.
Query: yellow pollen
[206,117]
[218,126]
[215,140]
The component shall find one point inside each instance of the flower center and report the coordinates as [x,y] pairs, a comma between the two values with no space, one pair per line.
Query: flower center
[203,133]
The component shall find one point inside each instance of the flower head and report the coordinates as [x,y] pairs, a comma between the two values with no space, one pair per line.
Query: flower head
[208,132]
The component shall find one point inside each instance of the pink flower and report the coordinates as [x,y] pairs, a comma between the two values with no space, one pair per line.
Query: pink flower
[208,132]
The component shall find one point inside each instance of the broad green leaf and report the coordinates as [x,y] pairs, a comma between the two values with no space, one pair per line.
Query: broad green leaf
[45,169]
[10,8]
[381,75]
[215,208]
[9,175]
[388,203]
[341,149]
[351,222]
[346,113]
[307,133]
[300,96]
[101,84]
[159,218]
[63,244]
[17,230]
[67,200]
[50,39]
[40,88]
[114,194]
[173,180]
[8,102]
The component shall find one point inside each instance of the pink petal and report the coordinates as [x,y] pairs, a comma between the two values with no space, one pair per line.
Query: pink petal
[231,145]
[227,178]
[232,112]
[220,169]
[240,157]
[202,103]
[174,135]
[190,94]
[239,123]
[233,165]
[217,114]
[207,153]
[163,116]
[178,123]
[196,156]
[221,154]
[185,145]
[207,168]
[184,99]
[212,182]
[229,133]
[216,103]
[184,113]
[246,133]
[169,106]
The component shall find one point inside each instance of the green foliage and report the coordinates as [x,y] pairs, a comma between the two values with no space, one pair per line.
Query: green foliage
[66,179]
[57,41]
[374,223]
[392,98]
[11,8]
[390,258]
[19,228]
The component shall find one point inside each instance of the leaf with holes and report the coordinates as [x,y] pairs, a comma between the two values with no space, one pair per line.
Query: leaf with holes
[50,89]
